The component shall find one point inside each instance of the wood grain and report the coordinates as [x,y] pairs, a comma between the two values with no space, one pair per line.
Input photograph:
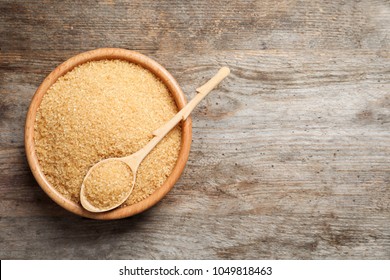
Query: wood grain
[195,25]
[290,156]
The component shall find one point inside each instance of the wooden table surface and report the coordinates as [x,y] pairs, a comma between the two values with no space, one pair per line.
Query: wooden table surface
[290,156]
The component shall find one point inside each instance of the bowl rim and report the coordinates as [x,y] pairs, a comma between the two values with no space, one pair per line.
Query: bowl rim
[68,65]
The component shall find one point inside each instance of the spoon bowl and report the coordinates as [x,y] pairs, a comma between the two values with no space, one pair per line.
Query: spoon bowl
[123,190]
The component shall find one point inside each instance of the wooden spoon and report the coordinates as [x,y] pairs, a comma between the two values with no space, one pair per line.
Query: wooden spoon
[133,161]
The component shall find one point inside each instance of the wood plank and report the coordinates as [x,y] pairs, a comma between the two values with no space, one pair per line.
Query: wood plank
[290,156]
[195,25]
[290,159]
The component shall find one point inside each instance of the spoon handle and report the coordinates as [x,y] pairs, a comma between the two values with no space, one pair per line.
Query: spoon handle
[183,113]
[204,90]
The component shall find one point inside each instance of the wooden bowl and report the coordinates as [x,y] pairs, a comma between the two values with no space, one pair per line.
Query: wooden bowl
[99,54]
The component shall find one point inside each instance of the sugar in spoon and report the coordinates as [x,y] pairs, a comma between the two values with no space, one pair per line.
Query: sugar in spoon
[109,183]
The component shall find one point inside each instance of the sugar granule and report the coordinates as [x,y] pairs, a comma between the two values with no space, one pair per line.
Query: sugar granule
[99,110]
[108,184]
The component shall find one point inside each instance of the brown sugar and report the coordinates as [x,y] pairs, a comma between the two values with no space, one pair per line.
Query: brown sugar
[108,184]
[99,110]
